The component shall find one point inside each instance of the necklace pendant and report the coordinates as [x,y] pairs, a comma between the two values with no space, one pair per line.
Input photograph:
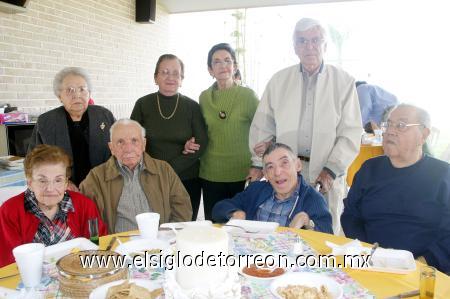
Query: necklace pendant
[222,115]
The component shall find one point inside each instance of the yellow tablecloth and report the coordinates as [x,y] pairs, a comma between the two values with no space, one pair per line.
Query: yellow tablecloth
[380,284]
[366,152]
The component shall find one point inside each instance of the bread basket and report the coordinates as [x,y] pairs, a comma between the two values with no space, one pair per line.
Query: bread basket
[76,281]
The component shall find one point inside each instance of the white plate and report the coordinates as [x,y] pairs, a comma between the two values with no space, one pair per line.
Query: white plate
[392,261]
[101,291]
[163,235]
[141,245]
[8,293]
[181,225]
[282,262]
[258,227]
[309,280]
[55,252]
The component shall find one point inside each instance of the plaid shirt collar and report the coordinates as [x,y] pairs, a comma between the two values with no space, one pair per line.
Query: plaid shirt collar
[53,231]
[278,210]
[31,205]
[292,197]
[126,172]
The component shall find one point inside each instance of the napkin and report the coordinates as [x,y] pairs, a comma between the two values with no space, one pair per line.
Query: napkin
[393,259]
[351,248]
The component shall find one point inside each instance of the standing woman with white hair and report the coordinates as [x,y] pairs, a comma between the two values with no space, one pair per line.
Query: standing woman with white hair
[82,130]
[312,107]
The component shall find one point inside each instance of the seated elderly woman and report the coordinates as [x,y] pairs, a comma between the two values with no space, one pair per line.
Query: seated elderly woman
[285,197]
[46,212]
[402,200]
[82,130]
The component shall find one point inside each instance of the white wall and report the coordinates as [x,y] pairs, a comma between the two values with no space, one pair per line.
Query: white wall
[100,36]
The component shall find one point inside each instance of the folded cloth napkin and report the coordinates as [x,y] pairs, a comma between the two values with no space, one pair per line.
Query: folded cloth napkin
[351,248]
[384,260]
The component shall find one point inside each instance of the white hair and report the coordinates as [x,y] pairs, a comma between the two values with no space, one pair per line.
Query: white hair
[67,71]
[125,121]
[305,24]
[422,115]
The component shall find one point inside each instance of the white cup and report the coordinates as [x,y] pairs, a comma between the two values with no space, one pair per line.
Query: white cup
[148,224]
[29,258]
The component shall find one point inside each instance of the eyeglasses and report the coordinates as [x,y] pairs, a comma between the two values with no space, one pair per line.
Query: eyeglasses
[58,183]
[71,91]
[399,126]
[226,62]
[303,42]
[166,73]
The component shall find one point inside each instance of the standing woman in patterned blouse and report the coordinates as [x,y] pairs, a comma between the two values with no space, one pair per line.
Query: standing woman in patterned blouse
[170,119]
[228,110]
[46,212]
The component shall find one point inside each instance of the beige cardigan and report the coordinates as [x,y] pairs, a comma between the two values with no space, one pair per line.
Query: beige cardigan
[336,122]
[166,194]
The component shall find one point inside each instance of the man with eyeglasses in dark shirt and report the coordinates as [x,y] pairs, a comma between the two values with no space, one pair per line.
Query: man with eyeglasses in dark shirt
[402,200]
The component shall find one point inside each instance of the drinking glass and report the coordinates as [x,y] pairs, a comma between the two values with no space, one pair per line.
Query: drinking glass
[427,281]
[93,230]
[29,258]
[148,224]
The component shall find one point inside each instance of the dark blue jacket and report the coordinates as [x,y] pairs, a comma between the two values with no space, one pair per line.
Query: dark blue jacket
[310,201]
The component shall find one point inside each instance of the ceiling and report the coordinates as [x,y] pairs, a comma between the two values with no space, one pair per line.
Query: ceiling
[183,6]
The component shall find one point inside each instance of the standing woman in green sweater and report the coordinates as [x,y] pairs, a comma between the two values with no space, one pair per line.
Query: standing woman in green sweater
[170,119]
[228,110]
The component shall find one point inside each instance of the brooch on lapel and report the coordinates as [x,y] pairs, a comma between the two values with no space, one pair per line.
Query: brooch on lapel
[102,126]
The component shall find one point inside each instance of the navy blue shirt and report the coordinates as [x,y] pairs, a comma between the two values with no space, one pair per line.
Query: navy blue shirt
[402,208]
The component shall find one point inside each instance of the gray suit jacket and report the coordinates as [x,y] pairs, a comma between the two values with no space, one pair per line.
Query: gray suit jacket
[51,128]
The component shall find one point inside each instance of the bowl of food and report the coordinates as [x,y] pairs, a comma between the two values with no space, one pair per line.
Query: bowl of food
[297,285]
[145,252]
[265,266]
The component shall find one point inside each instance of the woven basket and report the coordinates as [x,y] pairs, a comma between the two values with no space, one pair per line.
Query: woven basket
[78,282]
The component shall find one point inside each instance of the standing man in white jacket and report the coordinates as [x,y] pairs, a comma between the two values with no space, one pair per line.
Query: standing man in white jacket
[312,107]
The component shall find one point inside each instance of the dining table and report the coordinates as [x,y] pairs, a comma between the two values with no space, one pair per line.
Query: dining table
[371,284]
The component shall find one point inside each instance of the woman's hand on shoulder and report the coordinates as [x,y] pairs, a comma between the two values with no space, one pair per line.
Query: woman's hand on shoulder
[190,147]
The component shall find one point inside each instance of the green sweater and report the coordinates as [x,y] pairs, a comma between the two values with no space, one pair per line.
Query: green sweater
[227,157]
[166,137]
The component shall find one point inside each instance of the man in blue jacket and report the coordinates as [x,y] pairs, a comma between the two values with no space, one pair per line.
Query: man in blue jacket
[284,198]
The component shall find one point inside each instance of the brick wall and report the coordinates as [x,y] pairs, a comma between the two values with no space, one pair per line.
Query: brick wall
[100,36]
